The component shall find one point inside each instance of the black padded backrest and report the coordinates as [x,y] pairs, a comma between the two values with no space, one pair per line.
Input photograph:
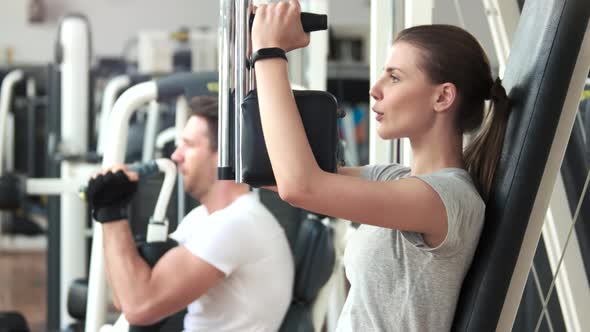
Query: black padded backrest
[314,263]
[538,73]
[312,245]
[314,259]
[288,216]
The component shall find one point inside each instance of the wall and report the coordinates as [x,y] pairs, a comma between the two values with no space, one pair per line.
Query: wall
[114,22]
[474,21]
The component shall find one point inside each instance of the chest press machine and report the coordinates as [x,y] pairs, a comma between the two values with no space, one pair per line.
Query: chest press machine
[181,87]
[243,156]
[72,86]
[544,76]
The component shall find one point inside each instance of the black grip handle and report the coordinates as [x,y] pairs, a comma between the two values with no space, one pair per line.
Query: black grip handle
[143,170]
[310,21]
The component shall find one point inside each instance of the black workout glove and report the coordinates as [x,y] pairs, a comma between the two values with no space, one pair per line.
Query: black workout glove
[109,195]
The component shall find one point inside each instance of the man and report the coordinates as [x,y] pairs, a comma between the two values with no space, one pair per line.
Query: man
[233,267]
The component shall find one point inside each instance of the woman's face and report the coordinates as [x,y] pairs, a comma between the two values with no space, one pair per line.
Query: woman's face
[404,95]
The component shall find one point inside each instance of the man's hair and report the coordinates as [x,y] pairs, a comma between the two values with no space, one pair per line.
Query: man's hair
[206,107]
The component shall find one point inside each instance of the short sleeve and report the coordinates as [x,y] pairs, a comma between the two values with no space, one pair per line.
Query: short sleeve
[183,230]
[383,172]
[224,242]
[464,208]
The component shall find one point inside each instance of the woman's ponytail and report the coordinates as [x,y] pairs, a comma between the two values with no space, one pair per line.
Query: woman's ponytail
[482,154]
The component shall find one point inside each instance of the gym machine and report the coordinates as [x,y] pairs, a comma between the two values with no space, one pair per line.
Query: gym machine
[73,60]
[243,156]
[182,87]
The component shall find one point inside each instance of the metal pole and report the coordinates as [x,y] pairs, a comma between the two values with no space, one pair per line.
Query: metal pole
[226,38]
[182,112]
[240,77]
[111,91]
[31,124]
[74,40]
[5,100]
[151,131]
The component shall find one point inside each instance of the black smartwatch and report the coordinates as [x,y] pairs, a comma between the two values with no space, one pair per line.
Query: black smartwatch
[267,53]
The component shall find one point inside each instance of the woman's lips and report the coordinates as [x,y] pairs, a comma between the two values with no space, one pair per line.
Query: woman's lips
[378,116]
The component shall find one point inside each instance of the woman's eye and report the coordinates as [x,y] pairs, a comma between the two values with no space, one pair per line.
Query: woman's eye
[394,79]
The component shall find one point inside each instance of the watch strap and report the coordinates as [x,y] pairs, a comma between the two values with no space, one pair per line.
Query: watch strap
[267,53]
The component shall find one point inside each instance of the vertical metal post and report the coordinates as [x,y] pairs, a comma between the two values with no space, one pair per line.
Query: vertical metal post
[31,92]
[240,77]
[74,40]
[226,39]
[151,131]
[182,113]
[111,91]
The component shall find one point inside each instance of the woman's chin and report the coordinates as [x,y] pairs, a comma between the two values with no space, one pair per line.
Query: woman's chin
[386,134]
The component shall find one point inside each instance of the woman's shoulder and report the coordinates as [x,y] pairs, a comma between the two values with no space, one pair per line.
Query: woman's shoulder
[454,178]
[464,205]
[456,188]
[384,172]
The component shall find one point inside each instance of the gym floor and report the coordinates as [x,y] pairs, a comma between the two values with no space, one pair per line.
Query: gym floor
[23,285]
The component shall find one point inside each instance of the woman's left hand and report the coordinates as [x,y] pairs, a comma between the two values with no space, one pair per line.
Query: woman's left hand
[279,25]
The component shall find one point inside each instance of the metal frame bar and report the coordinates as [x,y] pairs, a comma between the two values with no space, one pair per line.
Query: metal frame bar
[226,40]
[114,153]
[240,76]
[571,281]
[10,80]
[111,91]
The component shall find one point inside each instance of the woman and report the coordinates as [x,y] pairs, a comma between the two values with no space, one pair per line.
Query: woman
[421,225]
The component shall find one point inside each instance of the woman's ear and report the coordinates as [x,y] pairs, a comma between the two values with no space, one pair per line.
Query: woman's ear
[446,94]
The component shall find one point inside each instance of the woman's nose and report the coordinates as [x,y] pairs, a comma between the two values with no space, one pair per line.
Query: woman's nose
[375,92]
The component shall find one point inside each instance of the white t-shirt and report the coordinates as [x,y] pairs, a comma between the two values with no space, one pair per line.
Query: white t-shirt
[249,246]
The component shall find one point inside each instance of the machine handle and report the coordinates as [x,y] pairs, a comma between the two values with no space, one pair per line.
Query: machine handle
[310,21]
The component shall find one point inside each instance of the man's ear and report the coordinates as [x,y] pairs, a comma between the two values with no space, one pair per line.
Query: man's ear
[446,94]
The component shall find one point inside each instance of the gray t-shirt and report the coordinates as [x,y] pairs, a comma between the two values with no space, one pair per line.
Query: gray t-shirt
[398,282]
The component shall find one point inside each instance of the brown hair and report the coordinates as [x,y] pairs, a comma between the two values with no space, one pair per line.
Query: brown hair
[206,107]
[451,54]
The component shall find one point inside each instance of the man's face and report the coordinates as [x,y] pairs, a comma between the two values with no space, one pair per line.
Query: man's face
[196,161]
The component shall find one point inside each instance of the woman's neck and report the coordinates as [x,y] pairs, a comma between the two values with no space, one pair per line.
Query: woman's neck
[436,151]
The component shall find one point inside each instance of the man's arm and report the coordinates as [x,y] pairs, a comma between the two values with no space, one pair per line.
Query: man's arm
[147,295]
